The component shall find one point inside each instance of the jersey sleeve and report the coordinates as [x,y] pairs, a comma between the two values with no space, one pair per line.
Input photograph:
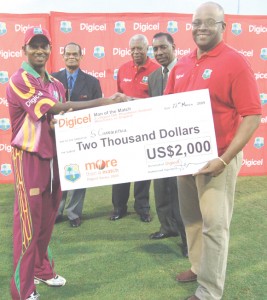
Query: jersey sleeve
[28,92]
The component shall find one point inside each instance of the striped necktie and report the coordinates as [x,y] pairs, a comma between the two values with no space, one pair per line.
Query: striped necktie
[70,86]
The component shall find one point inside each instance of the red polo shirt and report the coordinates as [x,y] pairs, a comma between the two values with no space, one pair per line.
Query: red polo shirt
[133,80]
[231,83]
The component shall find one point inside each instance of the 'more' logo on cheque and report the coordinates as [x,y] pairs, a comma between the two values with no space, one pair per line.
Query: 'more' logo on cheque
[236,28]
[101,164]
[65,26]
[119,27]
[72,172]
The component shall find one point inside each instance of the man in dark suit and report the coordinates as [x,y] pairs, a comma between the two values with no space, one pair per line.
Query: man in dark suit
[79,87]
[165,189]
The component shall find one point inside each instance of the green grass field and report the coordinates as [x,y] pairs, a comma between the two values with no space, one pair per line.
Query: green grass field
[107,260]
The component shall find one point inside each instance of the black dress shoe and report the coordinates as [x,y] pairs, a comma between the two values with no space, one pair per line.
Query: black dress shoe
[76,222]
[116,215]
[145,217]
[159,235]
[59,219]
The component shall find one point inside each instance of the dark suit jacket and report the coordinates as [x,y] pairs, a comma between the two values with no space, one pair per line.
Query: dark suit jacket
[86,87]
[155,83]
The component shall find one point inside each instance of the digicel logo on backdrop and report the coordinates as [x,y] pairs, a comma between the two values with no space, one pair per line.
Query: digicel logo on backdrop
[248,53]
[145,26]
[257,29]
[121,52]
[10,54]
[260,75]
[97,74]
[252,162]
[93,27]
[23,28]
[5,147]
[182,52]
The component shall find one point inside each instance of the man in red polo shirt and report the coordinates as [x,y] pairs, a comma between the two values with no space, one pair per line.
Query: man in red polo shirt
[132,80]
[207,198]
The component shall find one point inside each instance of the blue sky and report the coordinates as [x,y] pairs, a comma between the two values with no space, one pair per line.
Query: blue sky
[245,7]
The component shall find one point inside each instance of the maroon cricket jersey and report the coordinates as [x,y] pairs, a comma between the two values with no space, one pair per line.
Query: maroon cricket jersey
[29,99]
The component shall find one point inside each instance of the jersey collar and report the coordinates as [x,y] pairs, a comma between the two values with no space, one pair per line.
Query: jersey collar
[28,68]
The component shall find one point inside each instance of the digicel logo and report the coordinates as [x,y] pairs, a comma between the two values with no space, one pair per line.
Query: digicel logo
[93,27]
[257,29]
[145,26]
[72,122]
[101,164]
[23,28]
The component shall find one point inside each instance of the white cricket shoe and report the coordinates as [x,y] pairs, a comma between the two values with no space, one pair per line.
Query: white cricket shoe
[57,281]
[34,296]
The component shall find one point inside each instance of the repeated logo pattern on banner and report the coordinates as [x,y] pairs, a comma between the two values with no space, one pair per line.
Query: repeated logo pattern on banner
[104,39]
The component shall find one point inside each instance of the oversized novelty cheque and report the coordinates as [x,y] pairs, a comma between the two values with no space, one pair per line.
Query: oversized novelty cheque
[144,139]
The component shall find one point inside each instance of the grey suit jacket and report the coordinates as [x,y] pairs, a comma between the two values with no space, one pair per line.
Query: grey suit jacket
[86,87]
[155,83]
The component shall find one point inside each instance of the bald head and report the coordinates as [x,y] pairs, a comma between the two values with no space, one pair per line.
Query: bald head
[208,26]
[211,6]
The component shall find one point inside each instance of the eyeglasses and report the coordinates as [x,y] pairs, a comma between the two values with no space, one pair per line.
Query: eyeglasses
[208,23]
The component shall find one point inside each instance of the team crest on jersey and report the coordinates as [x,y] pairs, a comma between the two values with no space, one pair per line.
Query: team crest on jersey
[263,98]
[4,124]
[72,172]
[119,27]
[145,80]
[115,74]
[65,26]
[172,27]
[3,77]
[236,28]
[263,54]
[99,52]
[55,93]
[150,52]
[6,169]
[259,142]
[206,74]
[3,29]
